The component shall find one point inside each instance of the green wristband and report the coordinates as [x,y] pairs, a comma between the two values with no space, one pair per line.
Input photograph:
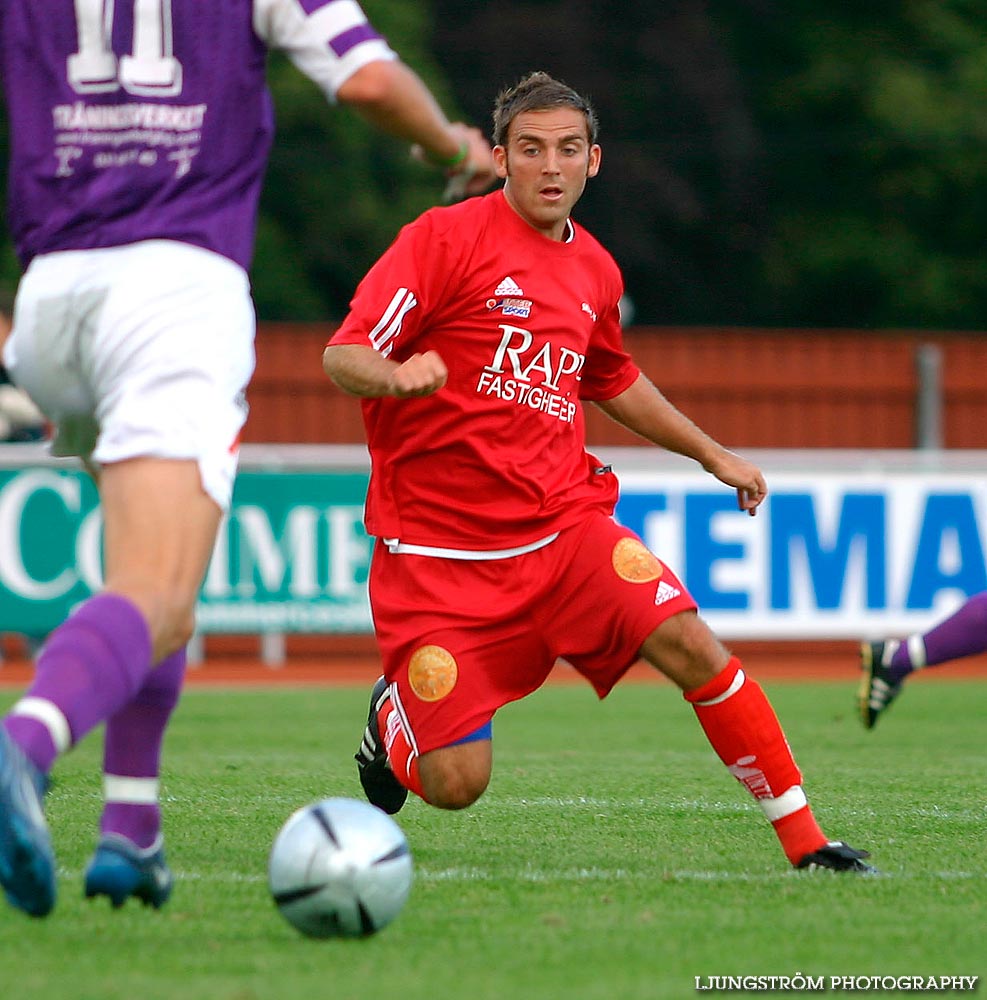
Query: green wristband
[451,161]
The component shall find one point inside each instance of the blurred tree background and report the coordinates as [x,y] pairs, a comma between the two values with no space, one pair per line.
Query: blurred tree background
[765,162]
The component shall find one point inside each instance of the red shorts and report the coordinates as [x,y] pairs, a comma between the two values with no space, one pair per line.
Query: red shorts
[461,638]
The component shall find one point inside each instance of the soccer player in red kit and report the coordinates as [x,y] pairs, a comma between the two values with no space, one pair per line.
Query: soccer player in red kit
[474,341]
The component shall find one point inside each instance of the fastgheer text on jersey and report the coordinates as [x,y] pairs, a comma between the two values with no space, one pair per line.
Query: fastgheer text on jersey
[529,327]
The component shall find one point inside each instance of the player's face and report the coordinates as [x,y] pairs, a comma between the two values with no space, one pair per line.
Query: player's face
[546,161]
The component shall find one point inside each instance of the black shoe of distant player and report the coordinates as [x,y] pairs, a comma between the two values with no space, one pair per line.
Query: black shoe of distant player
[877,689]
[379,784]
[838,856]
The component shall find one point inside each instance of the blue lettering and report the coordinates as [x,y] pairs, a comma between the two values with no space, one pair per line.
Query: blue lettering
[946,514]
[793,521]
[633,510]
[702,551]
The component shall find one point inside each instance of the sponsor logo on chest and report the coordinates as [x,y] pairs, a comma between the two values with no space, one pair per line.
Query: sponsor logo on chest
[520,308]
[508,298]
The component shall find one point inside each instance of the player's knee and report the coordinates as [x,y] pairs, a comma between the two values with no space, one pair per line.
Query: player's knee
[453,780]
[172,624]
[685,649]
[170,620]
[458,793]
[182,630]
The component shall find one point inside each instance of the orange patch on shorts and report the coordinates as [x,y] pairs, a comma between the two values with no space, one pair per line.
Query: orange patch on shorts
[432,672]
[634,562]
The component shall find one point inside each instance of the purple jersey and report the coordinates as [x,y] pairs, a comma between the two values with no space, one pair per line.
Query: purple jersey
[150,119]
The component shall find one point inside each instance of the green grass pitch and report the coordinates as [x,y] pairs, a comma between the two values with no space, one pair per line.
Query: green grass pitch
[612,856]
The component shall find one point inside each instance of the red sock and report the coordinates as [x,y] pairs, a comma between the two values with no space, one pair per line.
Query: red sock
[402,753]
[743,729]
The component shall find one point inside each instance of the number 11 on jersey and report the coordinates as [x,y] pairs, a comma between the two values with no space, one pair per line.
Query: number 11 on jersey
[150,70]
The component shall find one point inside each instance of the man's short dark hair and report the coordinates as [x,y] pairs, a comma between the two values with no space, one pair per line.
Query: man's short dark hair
[538,92]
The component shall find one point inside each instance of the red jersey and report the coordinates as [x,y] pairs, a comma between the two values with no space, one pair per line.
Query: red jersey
[527,327]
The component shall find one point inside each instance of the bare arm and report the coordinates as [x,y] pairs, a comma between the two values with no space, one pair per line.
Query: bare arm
[362,371]
[644,410]
[394,99]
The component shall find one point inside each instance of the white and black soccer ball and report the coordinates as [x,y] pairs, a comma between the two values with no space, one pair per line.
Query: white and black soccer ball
[340,868]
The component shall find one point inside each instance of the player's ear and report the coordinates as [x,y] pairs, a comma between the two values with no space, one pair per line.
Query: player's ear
[500,161]
[595,156]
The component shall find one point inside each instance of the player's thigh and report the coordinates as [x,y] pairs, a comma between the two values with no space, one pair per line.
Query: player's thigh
[139,351]
[456,639]
[159,527]
[42,349]
[609,594]
[452,678]
[171,363]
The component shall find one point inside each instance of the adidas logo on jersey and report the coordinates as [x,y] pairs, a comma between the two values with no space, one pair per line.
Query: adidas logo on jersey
[666,592]
[508,287]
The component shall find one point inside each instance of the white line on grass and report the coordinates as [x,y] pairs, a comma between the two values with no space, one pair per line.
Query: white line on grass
[676,806]
[576,875]
[681,875]
[589,802]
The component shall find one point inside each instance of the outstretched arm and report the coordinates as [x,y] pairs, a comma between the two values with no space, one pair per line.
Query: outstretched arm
[642,409]
[362,371]
[394,99]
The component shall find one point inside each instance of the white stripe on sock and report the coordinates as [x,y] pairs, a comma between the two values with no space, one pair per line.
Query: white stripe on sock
[916,651]
[406,728]
[50,716]
[784,804]
[735,686]
[136,791]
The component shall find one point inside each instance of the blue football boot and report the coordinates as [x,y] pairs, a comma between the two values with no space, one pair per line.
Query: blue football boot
[119,869]
[27,862]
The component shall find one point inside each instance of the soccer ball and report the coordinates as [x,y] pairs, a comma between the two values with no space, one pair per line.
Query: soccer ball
[340,868]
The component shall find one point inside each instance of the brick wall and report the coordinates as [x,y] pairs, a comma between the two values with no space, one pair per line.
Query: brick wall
[748,387]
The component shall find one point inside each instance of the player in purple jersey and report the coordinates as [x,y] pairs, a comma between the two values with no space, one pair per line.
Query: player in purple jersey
[887,664]
[139,133]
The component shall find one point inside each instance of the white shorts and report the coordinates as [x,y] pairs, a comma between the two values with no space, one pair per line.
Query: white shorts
[136,351]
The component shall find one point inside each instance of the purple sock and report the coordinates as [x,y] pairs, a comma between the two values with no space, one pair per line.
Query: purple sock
[964,633]
[91,665]
[132,754]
